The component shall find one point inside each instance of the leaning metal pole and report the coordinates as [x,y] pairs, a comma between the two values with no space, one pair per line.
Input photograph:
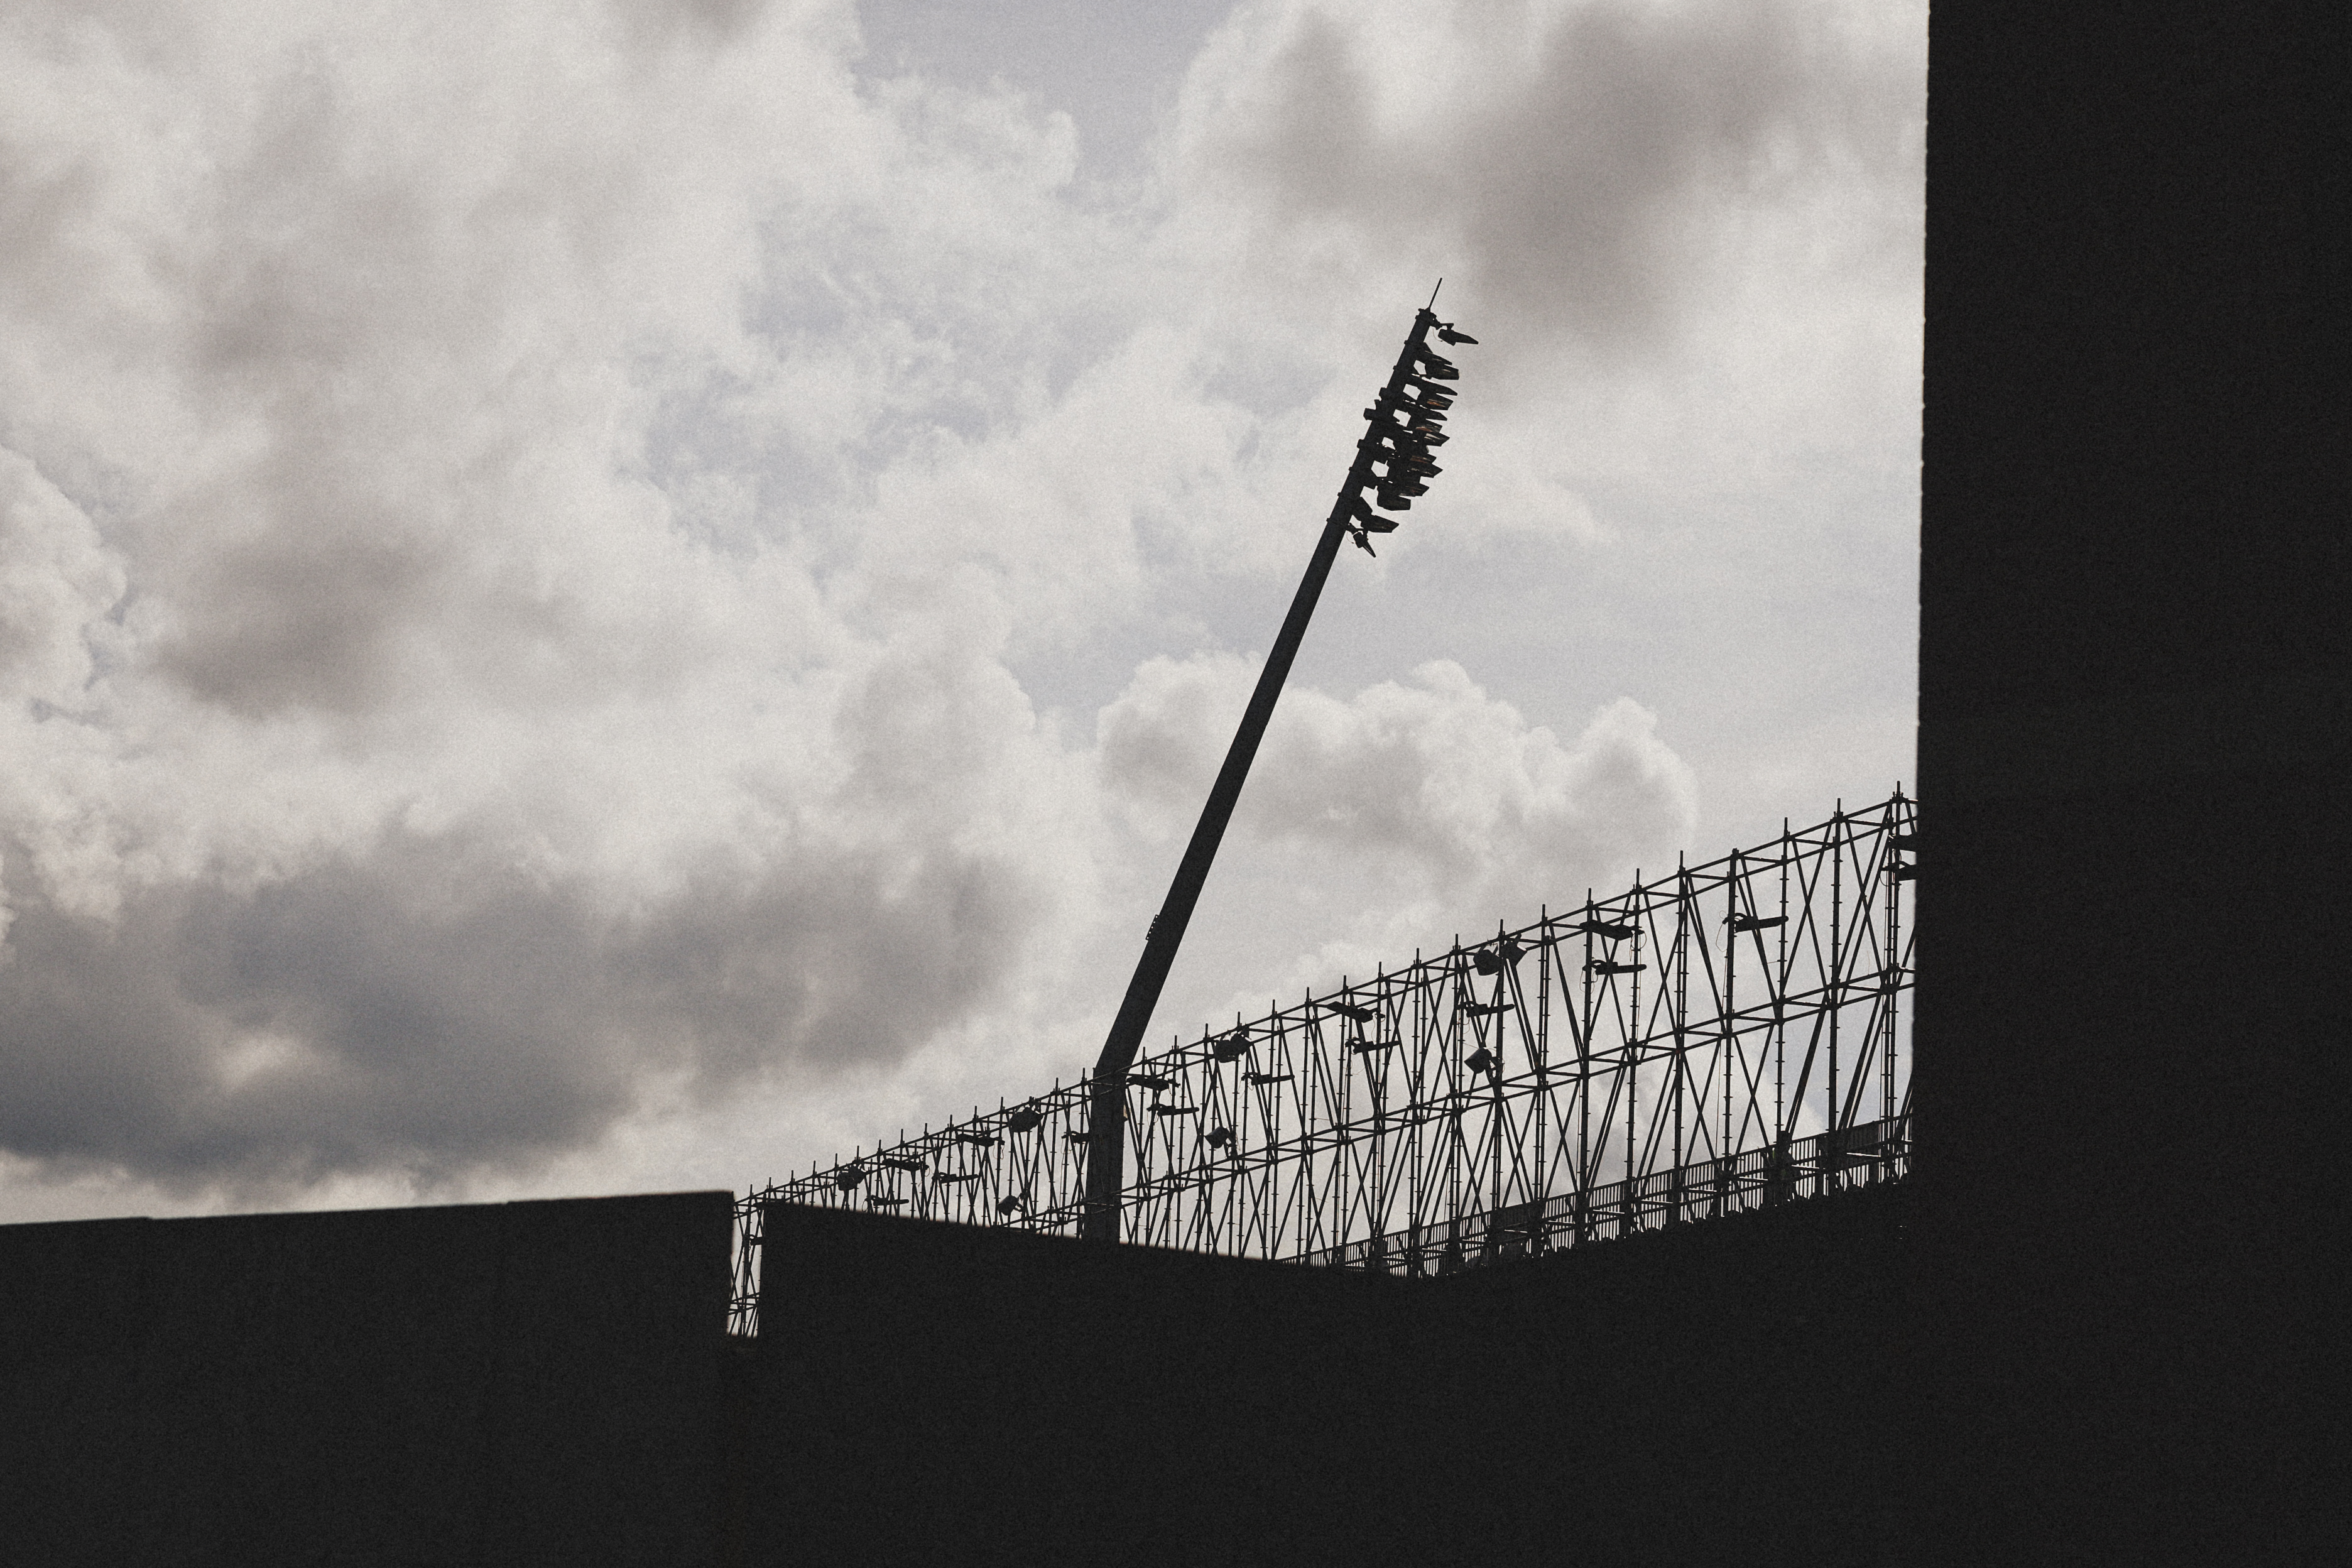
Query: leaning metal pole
[1402,450]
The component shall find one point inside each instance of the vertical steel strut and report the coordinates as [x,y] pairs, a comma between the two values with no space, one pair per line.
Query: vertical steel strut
[1107,1114]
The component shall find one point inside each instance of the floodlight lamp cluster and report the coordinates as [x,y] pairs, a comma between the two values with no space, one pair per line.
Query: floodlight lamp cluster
[1395,460]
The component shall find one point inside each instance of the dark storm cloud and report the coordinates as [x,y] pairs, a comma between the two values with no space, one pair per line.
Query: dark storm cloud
[425,1008]
[1574,164]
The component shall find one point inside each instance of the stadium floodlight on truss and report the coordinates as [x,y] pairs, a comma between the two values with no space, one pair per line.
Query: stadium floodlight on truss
[1393,462]
[1721,1038]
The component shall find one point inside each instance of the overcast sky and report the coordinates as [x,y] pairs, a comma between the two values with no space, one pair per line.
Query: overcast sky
[604,597]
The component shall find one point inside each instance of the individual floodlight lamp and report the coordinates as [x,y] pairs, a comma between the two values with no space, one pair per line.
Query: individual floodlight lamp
[1502,956]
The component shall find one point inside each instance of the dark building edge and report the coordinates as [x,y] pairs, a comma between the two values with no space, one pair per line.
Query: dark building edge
[2130,1048]
[516,1383]
[1727,1387]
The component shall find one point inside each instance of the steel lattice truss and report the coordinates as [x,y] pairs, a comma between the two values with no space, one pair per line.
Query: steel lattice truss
[1721,1038]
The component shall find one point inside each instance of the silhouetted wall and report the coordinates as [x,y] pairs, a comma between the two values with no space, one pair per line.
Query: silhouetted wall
[507,1384]
[1734,1390]
[943,1389]
[1729,1389]
[547,1383]
[2132,725]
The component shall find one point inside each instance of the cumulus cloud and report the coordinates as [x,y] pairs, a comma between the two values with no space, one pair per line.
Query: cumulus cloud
[407,778]
[1449,802]
[1577,167]
[562,565]
[57,582]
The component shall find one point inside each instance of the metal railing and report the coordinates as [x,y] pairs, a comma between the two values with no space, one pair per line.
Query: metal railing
[1861,1156]
[1719,1031]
